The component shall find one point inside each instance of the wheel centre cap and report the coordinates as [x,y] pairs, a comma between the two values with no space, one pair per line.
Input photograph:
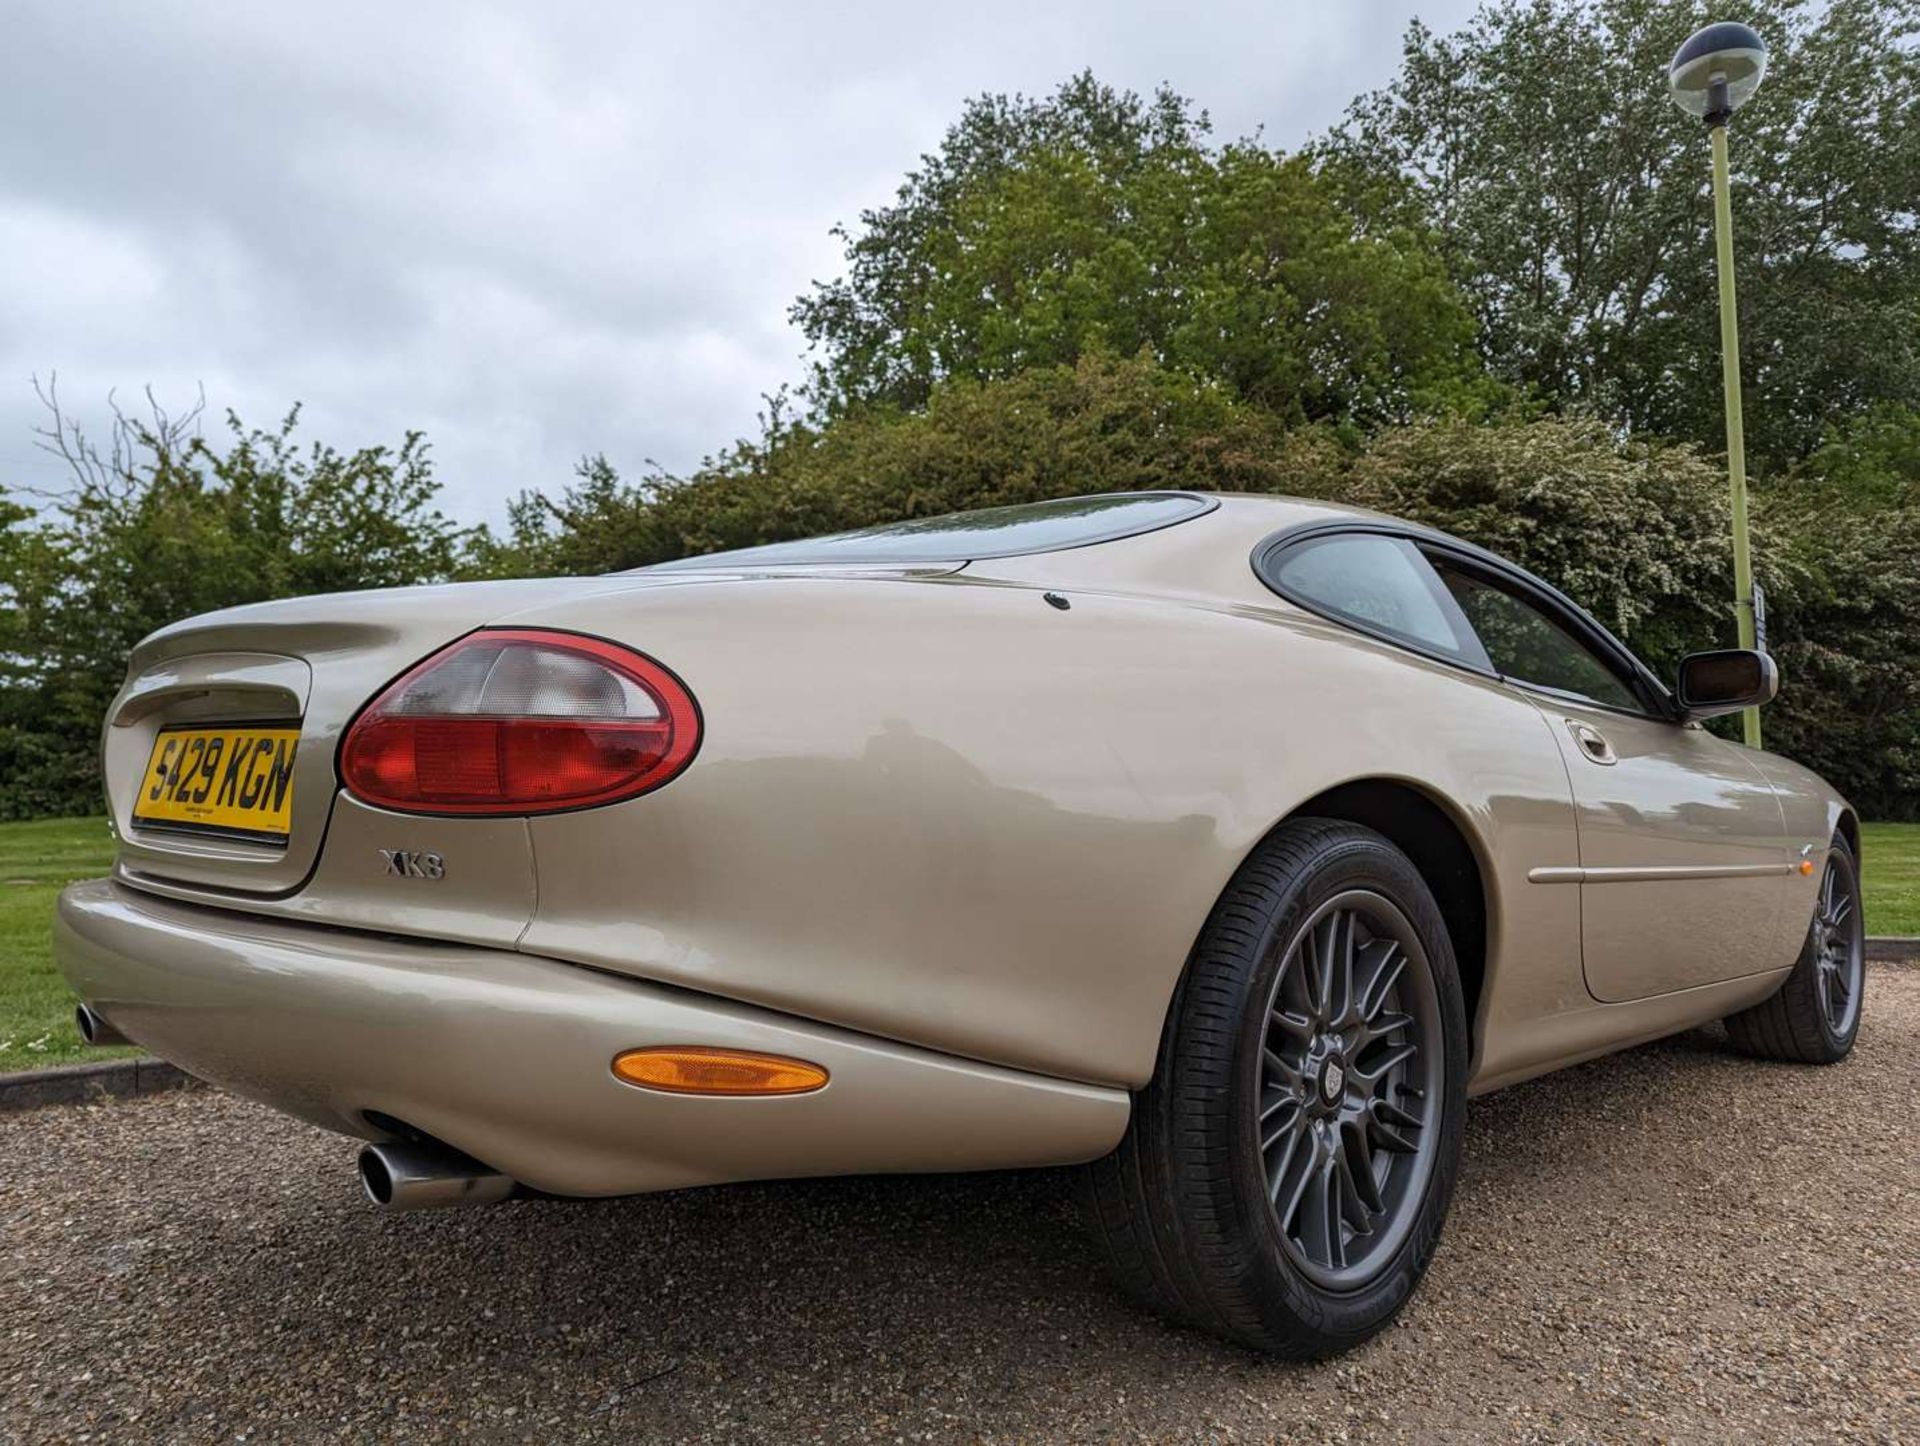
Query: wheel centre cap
[1333,1080]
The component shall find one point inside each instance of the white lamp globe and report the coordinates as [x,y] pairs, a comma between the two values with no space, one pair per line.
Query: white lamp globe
[1718,68]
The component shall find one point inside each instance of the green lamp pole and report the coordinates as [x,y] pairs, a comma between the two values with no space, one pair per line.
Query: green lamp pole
[1712,75]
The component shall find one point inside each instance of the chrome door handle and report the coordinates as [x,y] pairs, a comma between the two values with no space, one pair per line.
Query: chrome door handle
[1593,744]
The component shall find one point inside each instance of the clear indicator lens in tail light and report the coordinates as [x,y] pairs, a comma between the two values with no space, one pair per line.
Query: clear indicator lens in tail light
[519,721]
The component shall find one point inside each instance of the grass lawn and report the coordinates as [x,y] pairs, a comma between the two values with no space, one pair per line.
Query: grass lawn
[36,859]
[1892,877]
[36,1011]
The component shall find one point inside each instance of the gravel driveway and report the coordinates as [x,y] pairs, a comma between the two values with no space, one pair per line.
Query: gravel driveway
[1676,1243]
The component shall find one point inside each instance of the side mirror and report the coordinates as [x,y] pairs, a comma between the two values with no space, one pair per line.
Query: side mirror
[1725,681]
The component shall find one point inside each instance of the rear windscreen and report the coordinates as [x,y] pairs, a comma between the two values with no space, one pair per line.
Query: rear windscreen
[963,536]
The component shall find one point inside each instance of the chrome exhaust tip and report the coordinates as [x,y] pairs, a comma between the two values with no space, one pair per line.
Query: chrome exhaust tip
[94,1028]
[406,1176]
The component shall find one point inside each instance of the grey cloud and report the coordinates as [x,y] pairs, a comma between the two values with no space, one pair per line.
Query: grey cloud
[533,230]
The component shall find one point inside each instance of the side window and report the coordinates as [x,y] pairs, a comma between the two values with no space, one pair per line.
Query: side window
[1382,584]
[1526,645]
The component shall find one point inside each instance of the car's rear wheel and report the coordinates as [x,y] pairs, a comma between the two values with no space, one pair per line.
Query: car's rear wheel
[1814,1018]
[1287,1170]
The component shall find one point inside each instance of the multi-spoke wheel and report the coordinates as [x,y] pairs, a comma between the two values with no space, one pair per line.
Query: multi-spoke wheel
[1815,1016]
[1350,1076]
[1287,1170]
[1838,951]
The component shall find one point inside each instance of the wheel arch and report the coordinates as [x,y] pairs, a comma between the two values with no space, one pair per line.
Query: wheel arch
[1442,848]
[1850,831]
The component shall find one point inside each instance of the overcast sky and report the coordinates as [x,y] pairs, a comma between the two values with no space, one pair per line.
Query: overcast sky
[532,230]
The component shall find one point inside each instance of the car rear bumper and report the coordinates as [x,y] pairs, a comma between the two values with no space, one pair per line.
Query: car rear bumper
[507,1057]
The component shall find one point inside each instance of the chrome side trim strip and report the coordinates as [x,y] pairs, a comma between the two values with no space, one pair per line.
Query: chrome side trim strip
[1655,875]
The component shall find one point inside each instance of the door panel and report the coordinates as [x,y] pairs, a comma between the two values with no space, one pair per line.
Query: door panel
[1683,853]
[1683,849]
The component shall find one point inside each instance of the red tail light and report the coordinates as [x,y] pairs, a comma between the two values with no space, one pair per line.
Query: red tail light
[518,721]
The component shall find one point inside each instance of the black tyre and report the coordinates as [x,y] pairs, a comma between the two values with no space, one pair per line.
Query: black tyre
[1815,1016]
[1287,1170]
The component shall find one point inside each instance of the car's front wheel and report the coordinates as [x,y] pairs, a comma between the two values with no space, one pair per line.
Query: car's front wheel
[1287,1170]
[1814,1018]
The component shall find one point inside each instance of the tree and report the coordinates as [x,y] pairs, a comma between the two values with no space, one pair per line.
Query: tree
[1872,459]
[1571,198]
[1095,221]
[162,524]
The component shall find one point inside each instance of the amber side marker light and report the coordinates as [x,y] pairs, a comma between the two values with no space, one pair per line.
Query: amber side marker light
[1806,866]
[698,1070]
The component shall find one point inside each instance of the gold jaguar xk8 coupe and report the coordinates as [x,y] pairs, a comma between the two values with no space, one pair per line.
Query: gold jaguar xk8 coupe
[1221,846]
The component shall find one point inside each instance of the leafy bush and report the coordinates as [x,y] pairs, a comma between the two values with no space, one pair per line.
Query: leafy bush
[1847,526]
[163,525]
[1100,425]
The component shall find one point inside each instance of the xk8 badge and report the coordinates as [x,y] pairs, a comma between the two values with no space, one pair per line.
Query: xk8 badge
[414,863]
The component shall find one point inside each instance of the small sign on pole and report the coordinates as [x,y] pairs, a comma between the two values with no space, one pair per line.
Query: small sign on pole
[1759,617]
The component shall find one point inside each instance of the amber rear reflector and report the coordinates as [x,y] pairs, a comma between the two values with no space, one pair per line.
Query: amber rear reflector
[691,1069]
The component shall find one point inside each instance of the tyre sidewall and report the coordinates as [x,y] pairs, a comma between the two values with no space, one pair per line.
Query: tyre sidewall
[1358,861]
[1840,857]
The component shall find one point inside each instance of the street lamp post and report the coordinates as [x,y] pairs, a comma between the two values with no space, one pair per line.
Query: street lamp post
[1712,75]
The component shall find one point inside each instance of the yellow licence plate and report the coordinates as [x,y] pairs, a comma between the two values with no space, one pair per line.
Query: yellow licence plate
[220,780]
